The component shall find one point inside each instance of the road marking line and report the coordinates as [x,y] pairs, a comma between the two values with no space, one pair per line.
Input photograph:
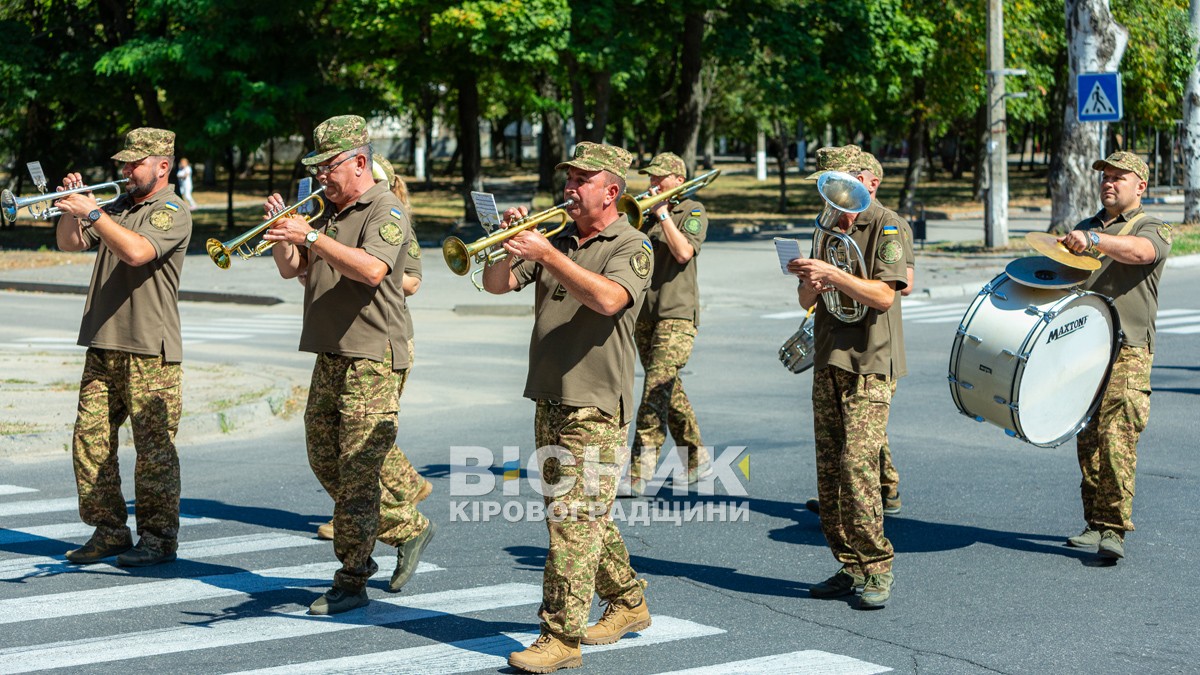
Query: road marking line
[1182,330]
[1178,320]
[275,626]
[15,490]
[30,507]
[485,653]
[807,662]
[170,592]
[18,535]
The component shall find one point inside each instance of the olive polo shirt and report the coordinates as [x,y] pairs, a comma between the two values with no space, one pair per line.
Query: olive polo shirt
[579,357]
[1133,288]
[349,318]
[136,309]
[874,344]
[673,292]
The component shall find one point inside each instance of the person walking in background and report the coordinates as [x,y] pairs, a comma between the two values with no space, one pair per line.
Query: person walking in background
[184,176]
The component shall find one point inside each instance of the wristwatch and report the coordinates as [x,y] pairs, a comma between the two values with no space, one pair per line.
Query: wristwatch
[311,238]
[662,217]
[1095,240]
[92,217]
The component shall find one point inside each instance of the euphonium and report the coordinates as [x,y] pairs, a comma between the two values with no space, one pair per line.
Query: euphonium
[221,253]
[459,255]
[843,194]
[10,204]
[636,208]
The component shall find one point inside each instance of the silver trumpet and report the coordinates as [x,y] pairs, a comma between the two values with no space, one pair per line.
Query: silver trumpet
[843,194]
[10,204]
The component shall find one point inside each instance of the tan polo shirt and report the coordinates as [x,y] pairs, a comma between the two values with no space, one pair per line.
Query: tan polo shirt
[136,309]
[412,268]
[674,293]
[577,356]
[343,316]
[875,344]
[1133,288]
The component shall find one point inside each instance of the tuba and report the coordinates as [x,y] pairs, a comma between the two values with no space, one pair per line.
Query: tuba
[843,194]
[636,208]
[222,252]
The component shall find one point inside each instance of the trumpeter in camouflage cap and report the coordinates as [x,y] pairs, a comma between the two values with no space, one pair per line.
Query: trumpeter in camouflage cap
[1126,161]
[600,157]
[665,164]
[147,142]
[867,162]
[337,135]
[846,158]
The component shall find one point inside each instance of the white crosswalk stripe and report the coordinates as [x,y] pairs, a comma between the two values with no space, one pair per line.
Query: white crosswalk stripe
[1178,321]
[17,535]
[31,507]
[219,330]
[807,662]
[15,490]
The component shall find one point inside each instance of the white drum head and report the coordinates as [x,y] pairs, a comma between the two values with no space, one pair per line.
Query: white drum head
[1068,361]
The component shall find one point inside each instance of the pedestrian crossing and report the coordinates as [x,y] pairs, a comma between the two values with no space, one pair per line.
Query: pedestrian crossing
[90,624]
[193,332]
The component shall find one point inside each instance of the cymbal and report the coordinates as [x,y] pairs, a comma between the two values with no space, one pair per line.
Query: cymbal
[1049,246]
[1039,271]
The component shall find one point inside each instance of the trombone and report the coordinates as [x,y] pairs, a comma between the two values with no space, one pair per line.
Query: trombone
[459,256]
[843,194]
[637,207]
[10,204]
[222,253]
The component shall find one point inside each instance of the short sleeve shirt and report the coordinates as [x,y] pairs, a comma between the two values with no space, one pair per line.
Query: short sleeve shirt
[136,309]
[577,356]
[674,292]
[873,345]
[349,318]
[1133,288]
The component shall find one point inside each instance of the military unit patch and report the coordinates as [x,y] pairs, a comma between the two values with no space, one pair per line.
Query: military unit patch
[692,225]
[890,251]
[392,233]
[640,262]
[1165,232]
[162,220]
[414,250]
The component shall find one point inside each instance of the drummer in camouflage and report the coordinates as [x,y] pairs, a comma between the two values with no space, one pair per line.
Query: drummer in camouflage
[1132,247]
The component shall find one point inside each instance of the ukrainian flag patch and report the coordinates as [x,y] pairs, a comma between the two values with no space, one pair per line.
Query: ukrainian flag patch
[397,213]
[172,206]
[697,212]
[646,245]
[890,229]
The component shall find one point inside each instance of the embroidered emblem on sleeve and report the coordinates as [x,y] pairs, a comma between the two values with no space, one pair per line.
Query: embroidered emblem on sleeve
[162,220]
[414,250]
[890,251]
[691,225]
[392,233]
[1165,232]
[640,263]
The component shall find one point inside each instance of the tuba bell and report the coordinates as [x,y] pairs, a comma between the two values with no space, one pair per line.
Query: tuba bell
[843,194]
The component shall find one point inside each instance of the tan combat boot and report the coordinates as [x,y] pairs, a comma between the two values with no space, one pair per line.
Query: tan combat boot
[616,622]
[547,654]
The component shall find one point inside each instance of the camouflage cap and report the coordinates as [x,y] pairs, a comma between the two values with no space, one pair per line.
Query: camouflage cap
[599,157]
[337,135]
[665,164]
[846,158]
[1126,161]
[867,162]
[145,142]
[381,170]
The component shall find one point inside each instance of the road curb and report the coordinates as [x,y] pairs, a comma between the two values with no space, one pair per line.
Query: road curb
[184,295]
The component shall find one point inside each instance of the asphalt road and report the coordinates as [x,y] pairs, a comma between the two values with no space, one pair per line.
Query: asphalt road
[984,583]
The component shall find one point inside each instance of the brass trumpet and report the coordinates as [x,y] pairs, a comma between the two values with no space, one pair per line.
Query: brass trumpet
[222,253]
[636,208]
[842,193]
[459,256]
[10,204]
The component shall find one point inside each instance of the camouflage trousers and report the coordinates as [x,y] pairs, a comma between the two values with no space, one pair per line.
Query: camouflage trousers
[850,415]
[399,483]
[664,348]
[350,425]
[586,555]
[1107,447]
[889,477]
[147,390]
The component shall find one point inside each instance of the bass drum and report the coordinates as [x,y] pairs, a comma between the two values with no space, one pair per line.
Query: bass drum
[1033,361]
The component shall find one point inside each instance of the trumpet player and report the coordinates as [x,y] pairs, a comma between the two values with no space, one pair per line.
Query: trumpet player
[132,368]
[855,366]
[590,280]
[666,328]
[354,322]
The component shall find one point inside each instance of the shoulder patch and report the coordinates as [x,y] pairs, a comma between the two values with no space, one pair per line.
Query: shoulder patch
[397,213]
[697,212]
[890,252]
[646,245]
[692,225]
[640,263]
[162,220]
[392,233]
[1165,231]
[414,250]
[171,205]
[890,229]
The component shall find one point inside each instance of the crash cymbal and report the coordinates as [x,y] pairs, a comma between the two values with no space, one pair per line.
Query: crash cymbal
[1049,246]
[1041,272]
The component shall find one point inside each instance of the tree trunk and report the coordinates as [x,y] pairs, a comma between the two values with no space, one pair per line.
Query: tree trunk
[1191,130]
[602,89]
[230,174]
[916,146]
[689,96]
[468,139]
[1095,44]
[781,160]
[554,142]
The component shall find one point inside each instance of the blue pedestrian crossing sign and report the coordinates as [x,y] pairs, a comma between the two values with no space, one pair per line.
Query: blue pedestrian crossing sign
[1098,97]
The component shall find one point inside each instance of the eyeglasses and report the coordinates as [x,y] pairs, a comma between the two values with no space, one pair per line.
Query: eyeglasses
[326,169]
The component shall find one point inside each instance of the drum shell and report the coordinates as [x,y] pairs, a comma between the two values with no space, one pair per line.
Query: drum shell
[1033,361]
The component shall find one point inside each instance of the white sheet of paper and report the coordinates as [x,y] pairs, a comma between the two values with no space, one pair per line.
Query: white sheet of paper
[485,208]
[787,250]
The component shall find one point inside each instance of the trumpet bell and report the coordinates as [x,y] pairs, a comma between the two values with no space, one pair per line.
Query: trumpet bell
[218,253]
[457,255]
[8,206]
